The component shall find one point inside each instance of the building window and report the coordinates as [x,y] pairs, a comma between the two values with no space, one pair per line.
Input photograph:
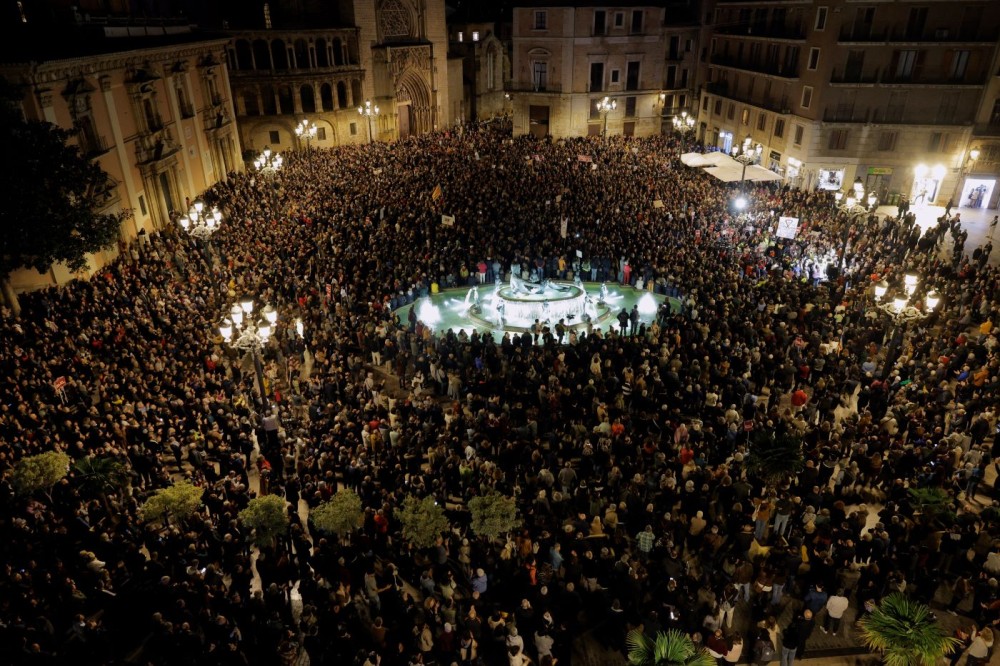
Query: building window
[905,64]
[539,74]
[619,19]
[636,21]
[704,103]
[274,136]
[541,20]
[813,59]
[807,97]
[616,75]
[887,141]
[354,129]
[959,63]
[321,133]
[600,22]
[596,76]
[761,121]
[630,107]
[745,116]
[688,45]
[461,36]
[718,107]
[797,140]
[490,70]
[838,139]
[267,16]
[683,101]
[142,205]
[821,19]
[779,128]
[731,111]
[632,75]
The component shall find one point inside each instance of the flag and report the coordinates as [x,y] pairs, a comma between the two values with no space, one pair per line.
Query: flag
[658,204]
[584,158]
[563,227]
[447,220]
[436,194]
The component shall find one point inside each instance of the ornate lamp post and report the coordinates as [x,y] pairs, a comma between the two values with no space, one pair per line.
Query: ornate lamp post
[369,111]
[306,130]
[901,310]
[684,125]
[200,223]
[746,155]
[251,336]
[854,210]
[604,107]
[268,163]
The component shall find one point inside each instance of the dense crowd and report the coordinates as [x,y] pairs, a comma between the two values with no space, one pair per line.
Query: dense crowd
[628,451]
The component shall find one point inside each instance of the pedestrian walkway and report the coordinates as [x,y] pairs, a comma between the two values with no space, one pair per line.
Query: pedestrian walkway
[975,221]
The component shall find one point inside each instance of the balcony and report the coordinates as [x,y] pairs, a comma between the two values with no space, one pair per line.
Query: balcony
[845,116]
[770,69]
[95,146]
[860,77]
[778,32]
[528,87]
[862,34]
[943,35]
[187,111]
[893,79]
[775,104]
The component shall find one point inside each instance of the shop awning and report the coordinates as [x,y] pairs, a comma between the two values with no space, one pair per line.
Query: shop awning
[759,173]
[694,160]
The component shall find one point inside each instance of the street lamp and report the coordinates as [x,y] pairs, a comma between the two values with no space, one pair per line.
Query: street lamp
[903,308]
[746,155]
[201,224]
[369,111]
[268,163]
[251,336]
[853,208]
[684,125]
[604,107]
[306,130]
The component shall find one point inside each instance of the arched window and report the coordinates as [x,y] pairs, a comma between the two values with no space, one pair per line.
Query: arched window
[341,95]
[326,96]
[308,97]
[279,54]
[267,97]
[302,60]
[250,103]
[356,91]
[321,57]
[285,100]
[152,118]
[338,52]
[262,54]
[244,56]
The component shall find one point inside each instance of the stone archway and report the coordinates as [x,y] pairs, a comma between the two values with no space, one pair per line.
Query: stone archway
[413,105]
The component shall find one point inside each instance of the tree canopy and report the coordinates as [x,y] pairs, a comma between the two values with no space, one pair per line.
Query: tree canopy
[423,521]
[40,472]
[267,517]
[52,197]
[173,502]
[493,514]
[906,633]
[341,515]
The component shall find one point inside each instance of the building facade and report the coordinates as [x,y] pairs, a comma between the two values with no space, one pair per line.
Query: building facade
[392,53]
[567,59]
[158,120]
[484,70]
[836,90]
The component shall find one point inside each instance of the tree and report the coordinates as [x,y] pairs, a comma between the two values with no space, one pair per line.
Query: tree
[423,521]
[341,515]
[906,633]
[50,211]
[40,472]
[671,648]
[932,504]
[774,456]
[99,475]
[493,514]
[267,517]
[176,502]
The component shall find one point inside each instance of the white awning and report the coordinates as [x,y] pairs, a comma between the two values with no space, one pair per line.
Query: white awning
[694,160]
[725,174]
[759,173]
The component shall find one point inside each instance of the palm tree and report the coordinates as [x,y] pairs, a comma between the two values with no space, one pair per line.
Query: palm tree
[100,477]
[671,648]
[774,456]
[906,633]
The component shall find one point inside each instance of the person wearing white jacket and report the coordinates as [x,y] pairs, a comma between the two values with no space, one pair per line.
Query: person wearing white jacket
[835,607]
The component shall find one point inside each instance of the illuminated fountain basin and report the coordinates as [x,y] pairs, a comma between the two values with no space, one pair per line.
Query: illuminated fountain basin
[475,309]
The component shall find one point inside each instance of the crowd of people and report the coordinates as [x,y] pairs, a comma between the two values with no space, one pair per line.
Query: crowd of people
[633,453]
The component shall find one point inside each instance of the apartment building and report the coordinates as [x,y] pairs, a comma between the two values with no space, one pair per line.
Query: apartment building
[894,93]
[568,57]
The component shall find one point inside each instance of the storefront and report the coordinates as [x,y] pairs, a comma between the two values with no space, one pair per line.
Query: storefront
[830,179]
[977,192]
[927,184]
[879,181]
[794,172]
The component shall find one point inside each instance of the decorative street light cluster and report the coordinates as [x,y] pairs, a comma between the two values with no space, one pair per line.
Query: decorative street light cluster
[306,130]
[201,223]
[268,163]
[251,336]
[684,125]
[853,208]
[369,111]
[901,310]
[746,155]
[604,107]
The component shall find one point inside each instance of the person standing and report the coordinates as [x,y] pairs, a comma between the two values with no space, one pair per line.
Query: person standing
[835,607]
[791,638]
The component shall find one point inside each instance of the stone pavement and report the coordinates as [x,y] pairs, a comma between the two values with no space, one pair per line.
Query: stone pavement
[976,221]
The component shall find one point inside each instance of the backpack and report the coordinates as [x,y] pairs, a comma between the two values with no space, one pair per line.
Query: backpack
[764,650]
